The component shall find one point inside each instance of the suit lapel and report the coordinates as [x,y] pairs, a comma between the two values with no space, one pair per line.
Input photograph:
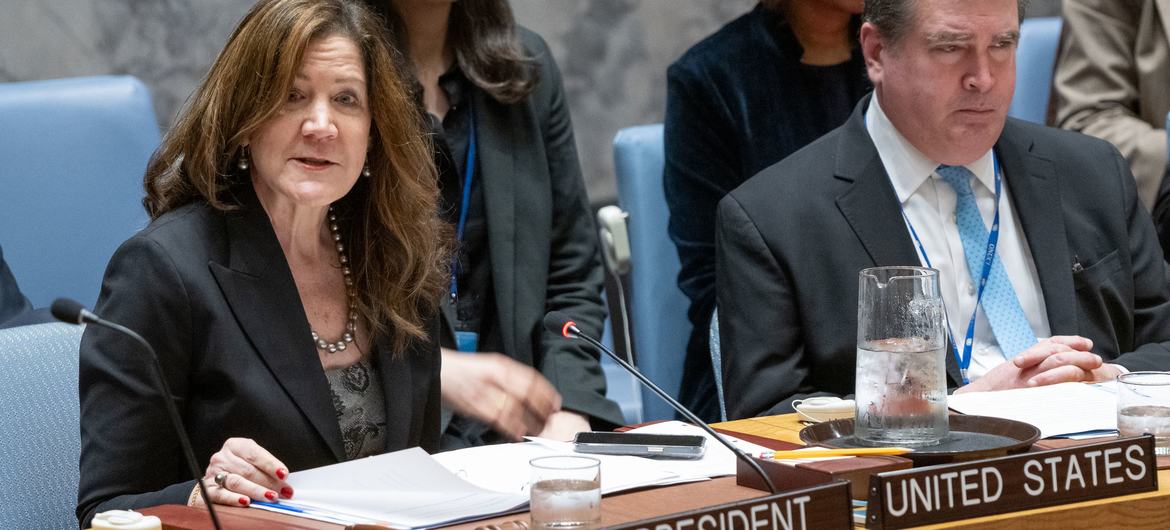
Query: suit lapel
[495,173]
[1035,192]
[396,385]
[880,229]
[258,285]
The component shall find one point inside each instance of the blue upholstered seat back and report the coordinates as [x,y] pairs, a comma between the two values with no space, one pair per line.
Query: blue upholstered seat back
[1035,59]
[658,308]
[74,153]
[39,433]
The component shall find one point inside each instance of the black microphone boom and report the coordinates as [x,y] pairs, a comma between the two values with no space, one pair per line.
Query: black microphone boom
[69,311]
[556,322]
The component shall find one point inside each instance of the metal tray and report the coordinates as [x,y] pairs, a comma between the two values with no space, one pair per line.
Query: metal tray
[970,438]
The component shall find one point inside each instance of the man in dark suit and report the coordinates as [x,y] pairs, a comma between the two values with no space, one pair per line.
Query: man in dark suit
[927,167]
[13,304]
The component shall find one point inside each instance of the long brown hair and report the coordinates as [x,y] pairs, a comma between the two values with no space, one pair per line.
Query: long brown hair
[397,244]
[483,35]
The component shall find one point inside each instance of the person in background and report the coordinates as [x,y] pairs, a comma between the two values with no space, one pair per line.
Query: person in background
[13,304]
[763,86]
[288,280]
[511,185]
[930,171]
[1112,81]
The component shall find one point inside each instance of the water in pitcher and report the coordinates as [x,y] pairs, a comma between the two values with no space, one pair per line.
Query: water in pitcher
[901,393]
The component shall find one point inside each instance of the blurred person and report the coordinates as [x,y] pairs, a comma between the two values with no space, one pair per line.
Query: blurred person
[511,186]
[763,86]
[288,279]
[1112,81]
[930,171]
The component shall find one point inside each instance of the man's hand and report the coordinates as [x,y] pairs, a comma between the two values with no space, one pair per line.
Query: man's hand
[511,397]
[1059,359]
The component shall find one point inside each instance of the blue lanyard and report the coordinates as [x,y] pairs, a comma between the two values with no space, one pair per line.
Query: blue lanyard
[964,360]
[464,204]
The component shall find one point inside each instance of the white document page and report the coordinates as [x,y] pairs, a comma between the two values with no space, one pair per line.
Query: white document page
[1057,410]
[504,467]
[718,461]
[406,489]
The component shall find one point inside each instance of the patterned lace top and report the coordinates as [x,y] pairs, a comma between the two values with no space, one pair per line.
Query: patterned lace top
[361,408]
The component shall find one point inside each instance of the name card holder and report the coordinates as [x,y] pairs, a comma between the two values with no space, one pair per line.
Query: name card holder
[951,492]
[822,507]
[855,470]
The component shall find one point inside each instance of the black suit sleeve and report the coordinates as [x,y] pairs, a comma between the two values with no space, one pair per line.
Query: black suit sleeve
[575,273]
[130,455]
[759,319]
[12,301]
[1151,283]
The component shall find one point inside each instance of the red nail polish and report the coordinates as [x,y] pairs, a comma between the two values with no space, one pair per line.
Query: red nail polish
[270,495]
[281,473]
[243,501]
[286,492]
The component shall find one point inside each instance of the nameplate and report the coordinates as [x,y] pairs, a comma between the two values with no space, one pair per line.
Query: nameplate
[936,494]
[826,506]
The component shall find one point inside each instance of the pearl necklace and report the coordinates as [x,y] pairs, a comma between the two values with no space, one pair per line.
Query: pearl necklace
[350,295]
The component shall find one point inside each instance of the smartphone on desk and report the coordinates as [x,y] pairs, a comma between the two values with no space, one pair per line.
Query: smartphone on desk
[683,446]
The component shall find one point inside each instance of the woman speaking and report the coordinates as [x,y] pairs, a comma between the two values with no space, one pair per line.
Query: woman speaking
[288,279]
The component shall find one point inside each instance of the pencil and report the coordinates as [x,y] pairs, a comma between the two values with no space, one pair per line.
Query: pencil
[821,453]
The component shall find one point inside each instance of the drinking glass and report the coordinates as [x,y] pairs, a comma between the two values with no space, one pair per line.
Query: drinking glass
[901,392]
[1143,406]
[565,493]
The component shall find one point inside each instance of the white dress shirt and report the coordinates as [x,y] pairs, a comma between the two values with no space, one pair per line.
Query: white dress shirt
[929,205]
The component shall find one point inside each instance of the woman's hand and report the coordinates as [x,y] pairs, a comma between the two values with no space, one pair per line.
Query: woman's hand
[564,425]
[511,397]
[241,472]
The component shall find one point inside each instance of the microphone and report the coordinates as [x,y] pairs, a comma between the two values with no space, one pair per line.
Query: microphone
[560,324]
[71,312]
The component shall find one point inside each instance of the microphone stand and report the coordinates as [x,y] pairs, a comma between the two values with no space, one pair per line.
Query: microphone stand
[85,316]
[571,327]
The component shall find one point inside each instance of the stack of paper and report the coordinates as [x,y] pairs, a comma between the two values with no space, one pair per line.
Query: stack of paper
[414,490]
[1066,409]
[403,489]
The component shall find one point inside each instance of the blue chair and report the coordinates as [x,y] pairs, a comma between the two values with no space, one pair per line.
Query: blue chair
[658,308]
[74,153]
[40,445]
[620,386]
[1035,59]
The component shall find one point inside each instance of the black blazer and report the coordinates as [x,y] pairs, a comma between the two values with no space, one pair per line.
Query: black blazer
[792,239]
[13,304]
[541,236]
[212,292]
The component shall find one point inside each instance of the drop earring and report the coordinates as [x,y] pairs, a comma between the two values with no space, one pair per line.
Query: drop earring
[366,170]
[242,163]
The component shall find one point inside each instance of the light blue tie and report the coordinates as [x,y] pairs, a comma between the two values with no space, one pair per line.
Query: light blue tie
[1011,328]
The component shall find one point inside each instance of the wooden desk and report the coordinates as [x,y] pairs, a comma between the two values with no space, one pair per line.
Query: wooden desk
[1145,510]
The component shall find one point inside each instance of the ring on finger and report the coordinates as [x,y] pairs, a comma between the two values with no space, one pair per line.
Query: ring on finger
[220,478]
